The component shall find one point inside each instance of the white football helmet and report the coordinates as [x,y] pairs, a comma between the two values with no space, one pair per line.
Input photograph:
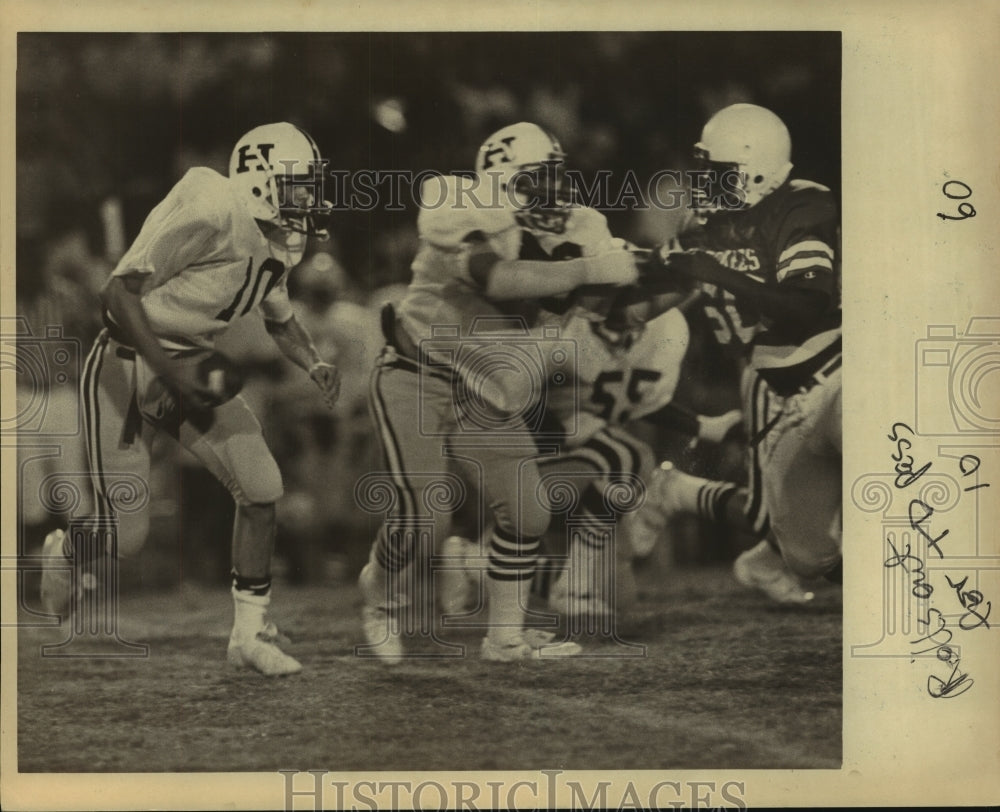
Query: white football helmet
[279,172]
[747,139]
[528,164]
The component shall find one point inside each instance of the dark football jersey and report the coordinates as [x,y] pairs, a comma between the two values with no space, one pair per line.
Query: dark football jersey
[788,240]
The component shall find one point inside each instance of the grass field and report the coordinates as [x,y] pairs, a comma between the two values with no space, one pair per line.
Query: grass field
[728,680]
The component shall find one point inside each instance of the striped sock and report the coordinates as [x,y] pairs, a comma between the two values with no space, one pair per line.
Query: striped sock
[259,586]
[712,500]
[511,567]
[546,571]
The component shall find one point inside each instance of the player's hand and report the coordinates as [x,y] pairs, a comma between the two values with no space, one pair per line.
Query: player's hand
[616,267]
[721,428]
[664,254]
[658,271]
[690,265]
[192,391]
[327,378]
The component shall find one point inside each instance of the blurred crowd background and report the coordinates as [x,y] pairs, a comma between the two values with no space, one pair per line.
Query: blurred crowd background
[106,123]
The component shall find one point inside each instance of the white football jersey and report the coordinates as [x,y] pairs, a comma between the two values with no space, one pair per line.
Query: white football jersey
[442,291]
[205,262]
[615,386]
[445,306]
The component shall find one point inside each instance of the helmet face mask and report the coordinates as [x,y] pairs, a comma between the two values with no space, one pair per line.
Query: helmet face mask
[297,206]
[720,185]
[528,163]
[745,153]
[279,173]
[544,198]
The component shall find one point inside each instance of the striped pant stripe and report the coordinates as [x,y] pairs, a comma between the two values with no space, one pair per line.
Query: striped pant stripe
[393,550]
[92,422]
[759,413]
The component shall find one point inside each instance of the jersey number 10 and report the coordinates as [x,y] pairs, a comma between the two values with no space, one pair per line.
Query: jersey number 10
[269,266]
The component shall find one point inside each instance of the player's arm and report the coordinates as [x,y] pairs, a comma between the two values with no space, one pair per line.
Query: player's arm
[121,297]
[798,307]
[297,345]
[531,279]
[805,284]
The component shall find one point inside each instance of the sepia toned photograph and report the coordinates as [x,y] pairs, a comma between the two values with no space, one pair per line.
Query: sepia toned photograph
[454,418]
[430,374]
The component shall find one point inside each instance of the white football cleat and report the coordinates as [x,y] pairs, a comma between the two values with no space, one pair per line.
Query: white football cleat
[272,635]
[261,654]
[382,633]
[536,638]
[763,568]
[522,650]
[57,574]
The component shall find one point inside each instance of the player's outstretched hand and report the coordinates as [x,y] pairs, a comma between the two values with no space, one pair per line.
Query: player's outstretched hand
[692,264]
[327,378]
[661,269]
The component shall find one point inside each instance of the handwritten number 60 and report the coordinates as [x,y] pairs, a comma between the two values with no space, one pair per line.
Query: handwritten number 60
[964,209]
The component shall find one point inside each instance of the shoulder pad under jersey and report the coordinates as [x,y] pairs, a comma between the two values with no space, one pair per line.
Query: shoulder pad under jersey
[452,208]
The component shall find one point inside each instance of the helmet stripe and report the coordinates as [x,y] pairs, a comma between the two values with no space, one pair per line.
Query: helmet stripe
[312,143]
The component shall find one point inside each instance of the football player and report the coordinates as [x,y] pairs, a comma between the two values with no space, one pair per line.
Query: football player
[764,253]
[626,370]
[491,246]
[214,250]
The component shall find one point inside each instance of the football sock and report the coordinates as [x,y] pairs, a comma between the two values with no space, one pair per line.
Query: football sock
[250,607]
[260,585]
[546,572]
[685,491]
[511,567]
[712,498]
